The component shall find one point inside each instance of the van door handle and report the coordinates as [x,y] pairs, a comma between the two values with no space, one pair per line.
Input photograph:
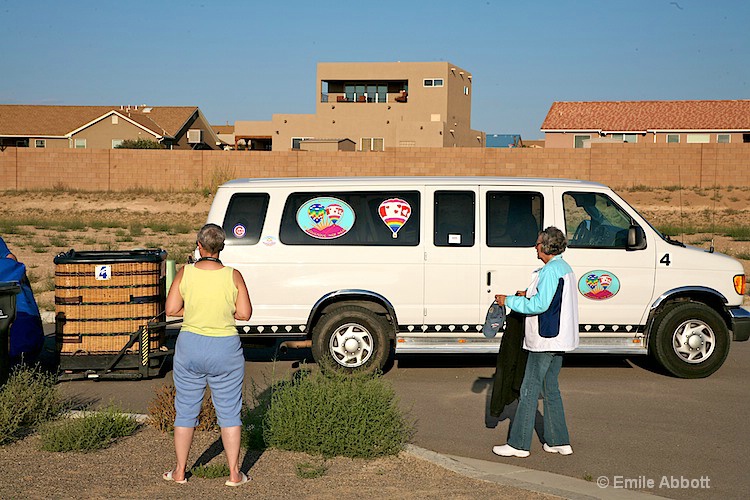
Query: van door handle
[489,278]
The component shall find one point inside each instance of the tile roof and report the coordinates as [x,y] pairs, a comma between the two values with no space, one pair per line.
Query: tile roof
[33,120]
[625,116]
[223,129]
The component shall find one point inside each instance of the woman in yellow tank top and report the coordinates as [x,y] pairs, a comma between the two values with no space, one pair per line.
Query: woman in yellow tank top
[210,297]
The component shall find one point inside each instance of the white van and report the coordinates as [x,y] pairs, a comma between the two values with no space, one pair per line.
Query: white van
[361,267]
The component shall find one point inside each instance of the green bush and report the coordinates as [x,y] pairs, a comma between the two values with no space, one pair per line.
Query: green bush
[210,471]
[310,470]
[93,431]
[139,144]
[28,399]
[334,414]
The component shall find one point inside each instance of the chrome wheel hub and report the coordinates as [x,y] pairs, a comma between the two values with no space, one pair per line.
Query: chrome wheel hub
[694,341]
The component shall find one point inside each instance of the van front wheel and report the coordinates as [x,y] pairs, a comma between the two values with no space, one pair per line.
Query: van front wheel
[351,338]
[691,340]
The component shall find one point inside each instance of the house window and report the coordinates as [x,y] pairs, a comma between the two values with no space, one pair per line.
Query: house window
[723,138]
[366,92]
[673,138]
[433,82]
[116,143]
[40,143]
[297,140]
[579,139]
[80,143]
[625,137]
[371,144]
[466,90]
[698,138]
[23,143]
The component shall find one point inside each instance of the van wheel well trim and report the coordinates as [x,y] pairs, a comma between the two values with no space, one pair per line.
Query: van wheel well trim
[686,291]
[353,294]
[698,294]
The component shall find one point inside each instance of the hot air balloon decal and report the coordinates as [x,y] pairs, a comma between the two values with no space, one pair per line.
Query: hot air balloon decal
[325,217]
[316,211]
[394,213]
[334,212]
[598,285]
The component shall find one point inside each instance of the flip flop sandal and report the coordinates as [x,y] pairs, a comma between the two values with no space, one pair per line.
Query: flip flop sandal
[240,482]
[167,476]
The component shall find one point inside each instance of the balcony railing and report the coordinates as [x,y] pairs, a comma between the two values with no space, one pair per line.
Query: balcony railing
[359,98]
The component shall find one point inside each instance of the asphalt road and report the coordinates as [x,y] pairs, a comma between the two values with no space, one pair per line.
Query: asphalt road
[630,423]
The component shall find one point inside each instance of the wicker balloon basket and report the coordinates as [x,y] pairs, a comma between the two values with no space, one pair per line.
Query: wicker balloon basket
[102,298]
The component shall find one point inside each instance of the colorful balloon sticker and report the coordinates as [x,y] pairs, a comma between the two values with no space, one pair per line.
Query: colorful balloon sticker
[599,285]
[394,213]
[239,231]
[325,218]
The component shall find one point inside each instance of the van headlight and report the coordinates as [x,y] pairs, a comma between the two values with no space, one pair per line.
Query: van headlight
[740,284]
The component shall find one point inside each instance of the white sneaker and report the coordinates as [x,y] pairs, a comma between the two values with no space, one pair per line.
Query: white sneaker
[507,450]
[564,449]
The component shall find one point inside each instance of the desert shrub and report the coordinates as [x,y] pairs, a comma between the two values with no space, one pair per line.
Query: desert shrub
[93,431]
[210,471]
[311,470]
[139,143]
[28,399]
[161,412]
[333,414]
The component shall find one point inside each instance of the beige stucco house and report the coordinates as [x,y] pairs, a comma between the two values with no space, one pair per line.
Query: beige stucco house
[578,124]
[377,106]
[104,127]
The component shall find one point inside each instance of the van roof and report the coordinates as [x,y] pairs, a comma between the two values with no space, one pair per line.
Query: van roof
[453,181]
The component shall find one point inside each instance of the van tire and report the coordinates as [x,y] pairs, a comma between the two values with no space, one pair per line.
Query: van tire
[690,340]
[351,338]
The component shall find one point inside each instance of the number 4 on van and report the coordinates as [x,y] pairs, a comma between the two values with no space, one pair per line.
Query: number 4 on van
[103,272]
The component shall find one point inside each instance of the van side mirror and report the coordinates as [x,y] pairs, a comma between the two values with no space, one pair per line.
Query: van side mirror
[636,238]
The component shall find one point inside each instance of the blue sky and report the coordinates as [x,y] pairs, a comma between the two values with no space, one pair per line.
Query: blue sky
[248,60]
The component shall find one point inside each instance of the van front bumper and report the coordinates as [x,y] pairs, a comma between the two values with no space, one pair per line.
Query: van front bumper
[740,323]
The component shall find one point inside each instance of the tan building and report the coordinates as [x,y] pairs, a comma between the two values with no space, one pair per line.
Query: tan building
[578,124]
[104,127]
[377,106]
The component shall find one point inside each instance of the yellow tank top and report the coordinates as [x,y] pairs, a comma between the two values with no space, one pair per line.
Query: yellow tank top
[209,297]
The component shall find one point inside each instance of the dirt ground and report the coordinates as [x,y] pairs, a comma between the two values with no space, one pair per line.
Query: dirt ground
[132,468]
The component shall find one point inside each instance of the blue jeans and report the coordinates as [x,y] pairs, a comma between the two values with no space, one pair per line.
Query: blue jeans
[542,370]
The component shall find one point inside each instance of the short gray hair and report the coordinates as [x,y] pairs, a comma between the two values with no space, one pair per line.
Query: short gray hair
[211,237]
[553,241]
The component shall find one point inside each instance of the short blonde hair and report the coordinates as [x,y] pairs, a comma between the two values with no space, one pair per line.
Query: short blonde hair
[211,237]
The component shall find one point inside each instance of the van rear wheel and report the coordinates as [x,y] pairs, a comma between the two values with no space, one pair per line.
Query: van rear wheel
[690,340]
[351,338]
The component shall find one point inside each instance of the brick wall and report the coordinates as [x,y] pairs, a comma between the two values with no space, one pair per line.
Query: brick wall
[617,165]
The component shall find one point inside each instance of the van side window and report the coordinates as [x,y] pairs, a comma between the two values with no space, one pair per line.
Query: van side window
[243,222]
[374,218]
[454,219]
[593,220]
[514,218]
